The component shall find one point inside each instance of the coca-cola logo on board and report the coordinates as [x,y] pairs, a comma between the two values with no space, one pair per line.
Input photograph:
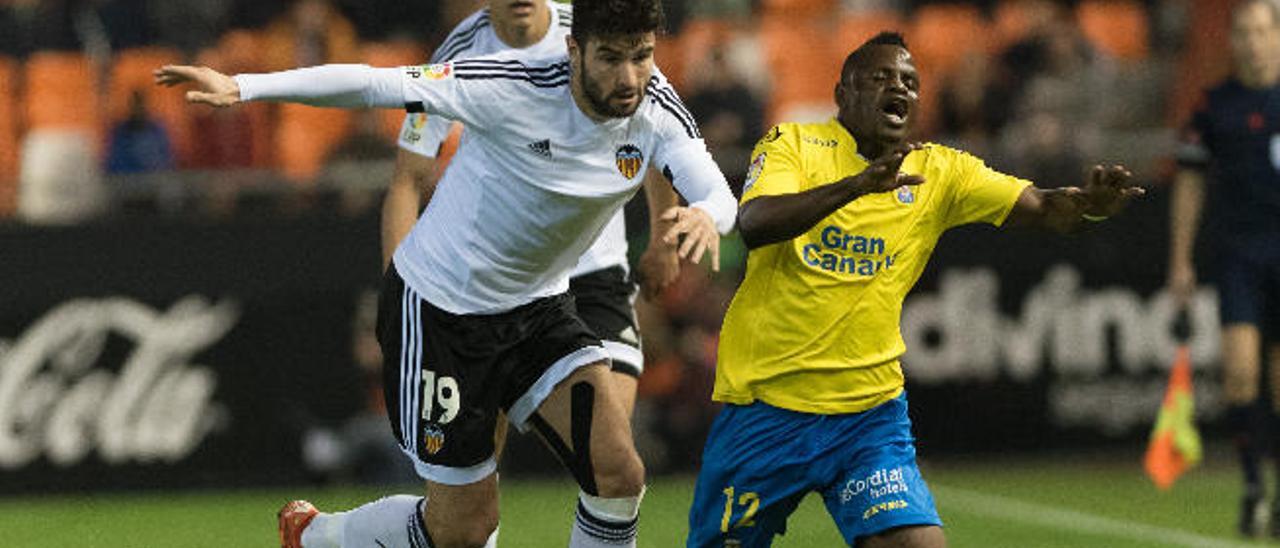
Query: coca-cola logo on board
[59,402]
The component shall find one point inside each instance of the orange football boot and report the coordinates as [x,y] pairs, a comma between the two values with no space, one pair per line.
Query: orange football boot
[293,518]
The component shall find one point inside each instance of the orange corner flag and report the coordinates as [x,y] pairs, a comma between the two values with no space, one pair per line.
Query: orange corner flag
[1175,442]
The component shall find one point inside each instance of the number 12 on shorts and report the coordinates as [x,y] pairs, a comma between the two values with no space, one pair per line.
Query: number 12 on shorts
[749,499]
[444,390]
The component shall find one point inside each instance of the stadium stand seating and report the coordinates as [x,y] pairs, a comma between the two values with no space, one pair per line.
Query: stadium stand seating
[237,52]
[8,136]
[304,137]
[804,65]
[696,37]
[854,28]
[1010,23]
[941,37]
[131,71]
[61,92]
[1117,27]
[793,8]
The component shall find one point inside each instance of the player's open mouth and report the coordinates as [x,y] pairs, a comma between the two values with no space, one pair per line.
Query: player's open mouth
[896,110]
[627,98]
[522,8]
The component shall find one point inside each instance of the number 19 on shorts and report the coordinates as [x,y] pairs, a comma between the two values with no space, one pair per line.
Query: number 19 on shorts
[443,390]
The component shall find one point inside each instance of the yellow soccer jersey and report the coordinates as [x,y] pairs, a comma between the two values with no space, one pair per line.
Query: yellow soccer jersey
[814,326]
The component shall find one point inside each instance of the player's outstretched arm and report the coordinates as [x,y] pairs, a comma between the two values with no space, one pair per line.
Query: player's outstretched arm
[771,219]
[1106,193]
[345,86]
[660,263]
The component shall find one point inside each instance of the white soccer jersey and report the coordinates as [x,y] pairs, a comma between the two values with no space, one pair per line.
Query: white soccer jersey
[537,180]
[475,37]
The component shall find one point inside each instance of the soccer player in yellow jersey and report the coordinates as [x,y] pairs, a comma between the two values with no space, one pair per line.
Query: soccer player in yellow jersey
[841,218]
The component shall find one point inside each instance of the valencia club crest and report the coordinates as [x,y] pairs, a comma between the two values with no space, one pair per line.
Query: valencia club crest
[629,160]
[432,439]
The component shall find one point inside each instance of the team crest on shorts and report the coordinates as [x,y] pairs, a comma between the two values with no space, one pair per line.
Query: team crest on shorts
[906,195]
[629,160]
[432,439]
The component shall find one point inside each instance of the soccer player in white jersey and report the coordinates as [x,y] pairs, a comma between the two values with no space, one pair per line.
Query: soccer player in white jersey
[603,293]
[476,317]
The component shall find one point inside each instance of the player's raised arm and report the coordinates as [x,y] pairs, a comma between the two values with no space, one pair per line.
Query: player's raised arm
[1105,193]
[774,218]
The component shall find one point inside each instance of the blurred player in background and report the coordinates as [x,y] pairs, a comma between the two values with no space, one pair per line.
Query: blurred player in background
[841,218]
[1233,141]
[475,316]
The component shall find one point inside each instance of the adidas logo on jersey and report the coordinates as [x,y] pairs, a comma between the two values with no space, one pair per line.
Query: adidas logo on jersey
[543,147]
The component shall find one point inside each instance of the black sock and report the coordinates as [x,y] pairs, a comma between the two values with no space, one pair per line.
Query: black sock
[1244,422]
[1273,434]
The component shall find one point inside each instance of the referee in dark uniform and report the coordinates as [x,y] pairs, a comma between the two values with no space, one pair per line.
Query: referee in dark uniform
[1233,144]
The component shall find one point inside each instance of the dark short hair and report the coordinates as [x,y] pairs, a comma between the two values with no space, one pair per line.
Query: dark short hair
[885,38]
[606,18]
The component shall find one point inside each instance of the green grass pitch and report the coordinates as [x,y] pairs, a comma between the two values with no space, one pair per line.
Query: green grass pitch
[1027,502]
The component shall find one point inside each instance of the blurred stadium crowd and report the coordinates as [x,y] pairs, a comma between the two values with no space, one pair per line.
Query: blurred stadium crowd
[1033,86]
[1001,79]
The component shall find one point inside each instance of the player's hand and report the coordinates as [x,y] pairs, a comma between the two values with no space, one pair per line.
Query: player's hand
[212,87]
[883,174]
[1108,190]
[699,234]
[659,266]
[1182,281]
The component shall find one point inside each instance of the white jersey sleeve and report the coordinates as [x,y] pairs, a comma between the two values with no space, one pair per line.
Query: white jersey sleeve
[345,86]
[682,156]
[467,91]
[422,134]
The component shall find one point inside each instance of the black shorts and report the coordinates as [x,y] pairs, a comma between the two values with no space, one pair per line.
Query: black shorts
[606,302]
[1249,289]
[445,376]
